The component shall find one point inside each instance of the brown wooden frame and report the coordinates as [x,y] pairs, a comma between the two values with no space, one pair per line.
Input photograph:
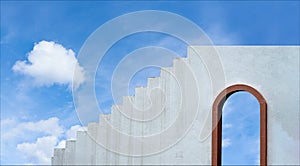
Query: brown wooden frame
[217,122]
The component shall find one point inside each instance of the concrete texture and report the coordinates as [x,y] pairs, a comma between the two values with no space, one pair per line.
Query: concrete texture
[272,70]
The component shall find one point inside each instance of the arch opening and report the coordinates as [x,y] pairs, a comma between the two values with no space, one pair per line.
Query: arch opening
[217,122]
[240,130]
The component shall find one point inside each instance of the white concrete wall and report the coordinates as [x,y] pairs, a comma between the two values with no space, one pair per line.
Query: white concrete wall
[272,70]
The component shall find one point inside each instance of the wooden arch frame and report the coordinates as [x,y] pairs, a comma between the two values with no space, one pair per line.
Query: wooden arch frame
[217,122]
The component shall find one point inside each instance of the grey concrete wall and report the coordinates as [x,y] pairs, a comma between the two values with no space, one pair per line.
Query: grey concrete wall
[272,70]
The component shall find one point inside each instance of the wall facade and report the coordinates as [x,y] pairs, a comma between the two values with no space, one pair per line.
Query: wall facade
[271,70]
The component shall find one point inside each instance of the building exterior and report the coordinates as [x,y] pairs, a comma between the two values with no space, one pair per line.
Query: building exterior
[272,71]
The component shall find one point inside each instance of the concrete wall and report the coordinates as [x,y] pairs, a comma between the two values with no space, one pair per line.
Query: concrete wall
[272,70]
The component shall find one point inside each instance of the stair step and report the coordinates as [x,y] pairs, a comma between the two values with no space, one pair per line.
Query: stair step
[103,117]
[127,100]
[153,82]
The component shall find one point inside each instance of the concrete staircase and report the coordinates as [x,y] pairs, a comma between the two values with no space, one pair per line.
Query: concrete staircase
[162,95]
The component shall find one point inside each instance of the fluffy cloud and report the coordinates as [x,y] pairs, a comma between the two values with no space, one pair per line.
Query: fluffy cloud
[50,126]
[42,137]
[50,63]
[40,151]
[226,142]
[61,144]
[70,135]
[44,126]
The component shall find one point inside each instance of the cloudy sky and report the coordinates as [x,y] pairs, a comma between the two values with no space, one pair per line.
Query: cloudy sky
[40,42]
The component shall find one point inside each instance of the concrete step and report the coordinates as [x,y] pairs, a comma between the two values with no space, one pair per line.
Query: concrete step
[153,82]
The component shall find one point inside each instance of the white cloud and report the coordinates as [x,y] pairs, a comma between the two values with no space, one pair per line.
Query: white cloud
[40,151]
[220,36]
[50,126]
[226,142]
[227,126]
[46,134]
[61,144]
[228,107]
[50,63]
[70,135]
[7,122]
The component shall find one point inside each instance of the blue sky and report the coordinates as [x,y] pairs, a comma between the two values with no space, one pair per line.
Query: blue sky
[240,131]
[26,103]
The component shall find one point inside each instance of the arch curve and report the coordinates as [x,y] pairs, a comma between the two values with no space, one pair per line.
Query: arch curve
[217,122]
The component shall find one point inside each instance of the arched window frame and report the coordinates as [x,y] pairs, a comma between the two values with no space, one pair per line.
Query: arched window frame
[217,122]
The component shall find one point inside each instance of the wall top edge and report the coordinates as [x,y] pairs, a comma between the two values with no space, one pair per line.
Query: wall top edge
[261,46]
